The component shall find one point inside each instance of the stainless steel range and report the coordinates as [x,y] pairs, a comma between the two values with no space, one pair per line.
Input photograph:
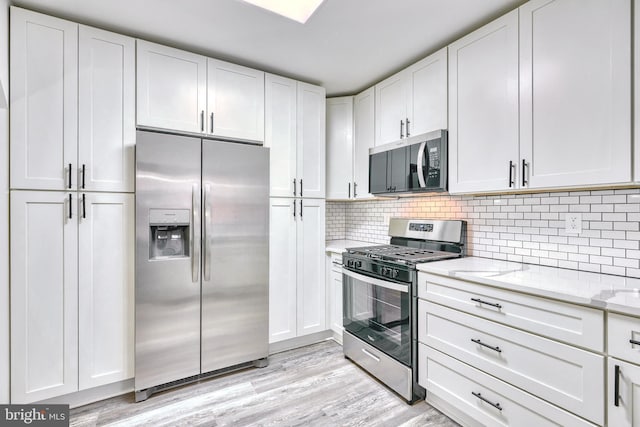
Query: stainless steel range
[380,298]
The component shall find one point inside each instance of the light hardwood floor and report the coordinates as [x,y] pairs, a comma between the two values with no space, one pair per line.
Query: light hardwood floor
[309,386]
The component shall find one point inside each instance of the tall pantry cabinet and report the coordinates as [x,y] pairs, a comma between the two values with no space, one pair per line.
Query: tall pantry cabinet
[72,131]
[295,133]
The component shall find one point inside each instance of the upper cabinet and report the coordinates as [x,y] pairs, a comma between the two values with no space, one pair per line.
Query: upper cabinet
[43,101]
[575,92]
[235,101]
[483,108]
[340,147]
[106,113]
[72,106]
[171,88]
[295,131]
[541,98]
[412,101]
[363,140]
[182,91]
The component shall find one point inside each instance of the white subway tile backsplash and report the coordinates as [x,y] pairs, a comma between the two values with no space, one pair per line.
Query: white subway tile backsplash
[526,227]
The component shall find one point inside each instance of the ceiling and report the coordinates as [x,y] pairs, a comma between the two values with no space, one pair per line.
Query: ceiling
[346,46]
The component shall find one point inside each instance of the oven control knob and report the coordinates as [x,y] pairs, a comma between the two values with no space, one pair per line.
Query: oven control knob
[394,273]
[358,264]
[383,270]
[350,263]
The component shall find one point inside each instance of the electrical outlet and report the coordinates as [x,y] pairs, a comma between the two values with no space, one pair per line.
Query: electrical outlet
[573,223]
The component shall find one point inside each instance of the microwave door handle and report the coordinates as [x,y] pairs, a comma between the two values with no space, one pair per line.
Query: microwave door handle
[421,180]
[376,282]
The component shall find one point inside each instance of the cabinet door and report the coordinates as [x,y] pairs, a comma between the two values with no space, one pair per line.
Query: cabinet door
[43,101]
[44,295]
[335,288]
[427,108]
[171,88]
[363,139]
[624,411]
[280,133]
[311,140]
[106,113]
[391,109]
[235,101]
[282,269]
[575,92]
[311,272]
[378,180]
[636,96]
[483,107]
[398,169]
[106,288]
[340,148]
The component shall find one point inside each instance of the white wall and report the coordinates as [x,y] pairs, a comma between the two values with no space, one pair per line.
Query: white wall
[4,207]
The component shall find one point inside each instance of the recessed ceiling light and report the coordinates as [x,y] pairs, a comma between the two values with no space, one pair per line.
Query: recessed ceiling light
[298,10]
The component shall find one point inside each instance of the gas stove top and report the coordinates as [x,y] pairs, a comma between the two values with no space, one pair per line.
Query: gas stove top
[402,254]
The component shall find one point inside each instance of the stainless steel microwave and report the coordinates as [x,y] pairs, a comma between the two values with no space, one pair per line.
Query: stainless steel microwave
[413,165]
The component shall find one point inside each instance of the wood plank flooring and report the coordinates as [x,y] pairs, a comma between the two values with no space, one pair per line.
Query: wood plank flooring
[309,386]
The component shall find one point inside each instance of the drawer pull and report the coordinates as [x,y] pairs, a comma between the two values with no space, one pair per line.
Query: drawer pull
[634,342]
[616,392]
[492,304]
[487,345]
[485,400]
[377,359]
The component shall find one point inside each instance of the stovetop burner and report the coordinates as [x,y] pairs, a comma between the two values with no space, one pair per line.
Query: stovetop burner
[401,254]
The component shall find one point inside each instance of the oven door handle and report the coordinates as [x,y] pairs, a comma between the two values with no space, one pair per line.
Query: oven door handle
[376,282]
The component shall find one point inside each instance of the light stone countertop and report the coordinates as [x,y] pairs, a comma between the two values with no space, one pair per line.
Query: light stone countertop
[604,291]
[339,246]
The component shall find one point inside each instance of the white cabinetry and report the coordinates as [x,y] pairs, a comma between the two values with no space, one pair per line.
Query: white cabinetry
[106,239]
[235,101]
[72,103]
[575,125]
[297,270]
[363,140]
[295,119]
[71,292]
[334,297]
[412,101]
[339,147]
[43,101]
[44,295]
[624,394]
[171,88]
[523,111]
[106,111]
[483,108]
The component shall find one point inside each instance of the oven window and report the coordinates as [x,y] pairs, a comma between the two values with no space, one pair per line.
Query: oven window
[378,316]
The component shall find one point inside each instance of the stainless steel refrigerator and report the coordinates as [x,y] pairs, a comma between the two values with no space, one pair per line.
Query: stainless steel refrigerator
[202,258]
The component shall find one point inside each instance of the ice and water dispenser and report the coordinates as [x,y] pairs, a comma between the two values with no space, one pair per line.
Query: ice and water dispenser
[169,233]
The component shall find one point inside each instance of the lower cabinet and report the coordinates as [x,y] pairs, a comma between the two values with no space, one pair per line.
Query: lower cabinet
[624,394]
[71,292]
[334,291]
[297,268]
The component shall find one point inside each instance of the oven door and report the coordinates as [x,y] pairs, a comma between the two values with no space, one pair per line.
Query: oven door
[379,313]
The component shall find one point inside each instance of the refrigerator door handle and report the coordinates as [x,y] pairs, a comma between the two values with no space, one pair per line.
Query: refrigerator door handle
[206,248]
[195,256]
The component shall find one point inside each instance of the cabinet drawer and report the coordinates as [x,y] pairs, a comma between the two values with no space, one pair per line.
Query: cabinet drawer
[463,387]
[566,376]
[573,324]
[623,336]
[336,258]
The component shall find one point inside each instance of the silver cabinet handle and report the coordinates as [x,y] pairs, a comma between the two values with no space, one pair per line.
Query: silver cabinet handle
[616,386]
[511,181]
[485,400]
[211,122]
[207,226]
[195,255]
[84,206]
[525,166]
[634,342]
[70,206]
[300,208]
[349,190]
[371,355]
[401,129]
[84,172]
[301,188]
[69,175]
[490,347]
[202,121]
[355,194]
[421,180]
[294,208]
[408,134]
[294,187]
[492,304]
